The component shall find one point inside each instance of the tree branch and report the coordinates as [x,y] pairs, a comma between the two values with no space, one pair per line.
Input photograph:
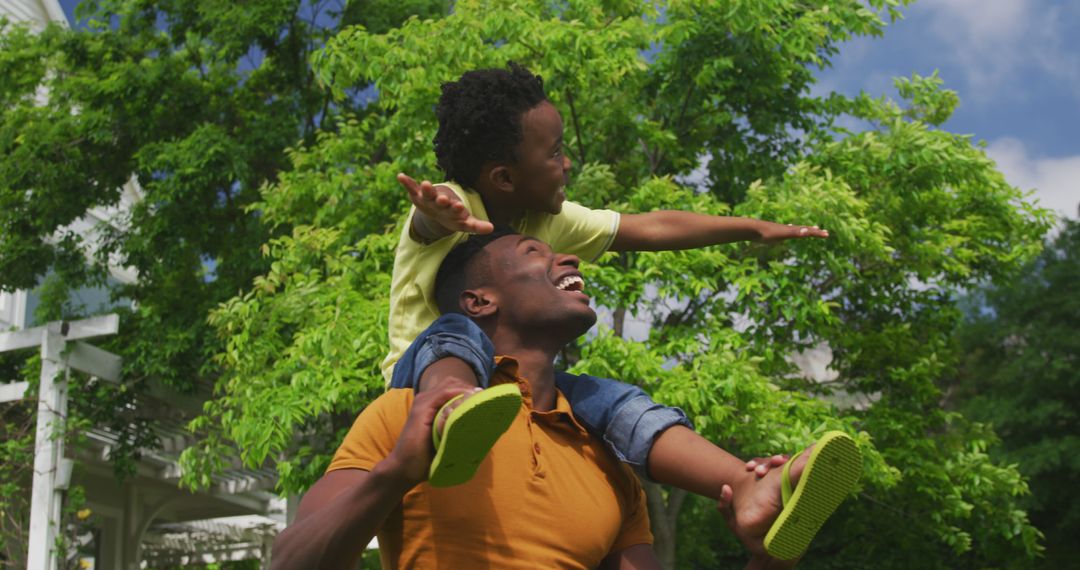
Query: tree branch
[577,126]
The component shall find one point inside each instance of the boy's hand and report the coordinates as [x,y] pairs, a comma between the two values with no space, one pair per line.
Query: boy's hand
[442,207]
[771,232]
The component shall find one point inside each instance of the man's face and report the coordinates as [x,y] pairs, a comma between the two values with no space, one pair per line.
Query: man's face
[537,289]
[542,170]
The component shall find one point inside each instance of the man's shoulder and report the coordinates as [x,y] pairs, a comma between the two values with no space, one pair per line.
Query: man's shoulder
[375,431]
[394,399]
[385,414]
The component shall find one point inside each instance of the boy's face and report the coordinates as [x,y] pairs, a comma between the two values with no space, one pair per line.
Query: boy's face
[542,170]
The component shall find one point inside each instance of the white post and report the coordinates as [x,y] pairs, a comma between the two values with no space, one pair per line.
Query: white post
[45,500]
[50,481]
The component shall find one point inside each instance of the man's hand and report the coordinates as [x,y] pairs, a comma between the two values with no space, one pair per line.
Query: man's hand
[762,465]
[771,232]
[412,455]
[440,207]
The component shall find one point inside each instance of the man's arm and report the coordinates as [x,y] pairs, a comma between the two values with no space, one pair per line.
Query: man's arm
[665,230]
[338,517]
[345,508]
[637,557]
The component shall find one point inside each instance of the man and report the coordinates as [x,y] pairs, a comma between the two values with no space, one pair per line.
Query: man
[548,494]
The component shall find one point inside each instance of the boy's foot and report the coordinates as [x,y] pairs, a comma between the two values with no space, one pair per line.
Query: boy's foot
[779,523]
[473,425]
[825,480]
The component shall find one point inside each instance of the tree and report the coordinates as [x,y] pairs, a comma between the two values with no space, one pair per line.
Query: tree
[1018,373]
[189,104]
[648,92]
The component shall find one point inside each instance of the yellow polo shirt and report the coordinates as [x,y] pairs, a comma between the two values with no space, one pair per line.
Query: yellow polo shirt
[548,495]
[576,230]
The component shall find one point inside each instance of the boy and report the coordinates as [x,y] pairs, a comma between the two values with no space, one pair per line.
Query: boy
[500,138]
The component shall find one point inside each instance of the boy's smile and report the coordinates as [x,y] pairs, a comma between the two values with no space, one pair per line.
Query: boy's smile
[542,170]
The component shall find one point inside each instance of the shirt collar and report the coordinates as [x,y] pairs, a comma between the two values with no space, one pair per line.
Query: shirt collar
[506,370]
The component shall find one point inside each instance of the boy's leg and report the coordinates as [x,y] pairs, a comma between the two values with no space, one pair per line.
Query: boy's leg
[775,523]
[451,335]
[621,414]
[682,458]
[658,442]
[454,350]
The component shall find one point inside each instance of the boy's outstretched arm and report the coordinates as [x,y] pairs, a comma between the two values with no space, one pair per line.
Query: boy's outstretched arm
[439,211]
[665,230]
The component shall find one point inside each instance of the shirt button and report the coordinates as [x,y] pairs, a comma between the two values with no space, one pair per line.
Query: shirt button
[536,448]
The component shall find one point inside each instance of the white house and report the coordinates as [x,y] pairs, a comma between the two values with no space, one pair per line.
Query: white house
[146,521]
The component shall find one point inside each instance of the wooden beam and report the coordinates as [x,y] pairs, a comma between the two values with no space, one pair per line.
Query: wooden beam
[94,361]
[18,340]
[13,391]
[104,325]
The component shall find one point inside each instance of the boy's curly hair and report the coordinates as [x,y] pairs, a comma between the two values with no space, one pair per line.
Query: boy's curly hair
[480,119]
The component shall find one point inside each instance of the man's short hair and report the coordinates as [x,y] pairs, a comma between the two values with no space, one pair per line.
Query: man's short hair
[465,267]
[480,119]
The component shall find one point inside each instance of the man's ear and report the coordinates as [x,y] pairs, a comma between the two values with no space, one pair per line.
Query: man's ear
[501,178]
[478,303]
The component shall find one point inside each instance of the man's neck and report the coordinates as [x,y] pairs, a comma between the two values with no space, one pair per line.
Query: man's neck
[536,364]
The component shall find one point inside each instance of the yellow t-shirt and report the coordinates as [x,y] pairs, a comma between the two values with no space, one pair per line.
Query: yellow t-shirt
[548,494]
[576,230]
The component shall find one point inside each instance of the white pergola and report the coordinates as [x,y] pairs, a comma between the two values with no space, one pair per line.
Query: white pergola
[62,349]
[148,518]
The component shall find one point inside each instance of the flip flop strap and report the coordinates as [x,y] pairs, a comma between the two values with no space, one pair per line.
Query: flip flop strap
[785,480]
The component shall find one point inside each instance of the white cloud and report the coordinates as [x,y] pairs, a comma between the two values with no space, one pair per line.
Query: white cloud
[1056,181]
[994,40]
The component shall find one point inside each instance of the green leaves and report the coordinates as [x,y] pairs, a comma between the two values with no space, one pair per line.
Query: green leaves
[266,271]
[914,213]
[1017,372]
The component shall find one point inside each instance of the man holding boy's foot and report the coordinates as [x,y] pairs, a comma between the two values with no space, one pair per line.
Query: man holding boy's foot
[751,501]
[548,494]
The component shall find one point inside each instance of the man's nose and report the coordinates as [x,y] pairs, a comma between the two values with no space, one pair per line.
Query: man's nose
[566,164]
[567,259]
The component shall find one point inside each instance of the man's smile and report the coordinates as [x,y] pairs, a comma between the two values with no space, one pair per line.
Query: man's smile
[572,282]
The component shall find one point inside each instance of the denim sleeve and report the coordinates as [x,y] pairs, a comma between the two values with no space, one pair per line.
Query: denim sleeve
[622,414]
[450,335]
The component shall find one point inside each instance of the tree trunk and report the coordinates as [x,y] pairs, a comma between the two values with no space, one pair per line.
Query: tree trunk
[664,515]
[618,320]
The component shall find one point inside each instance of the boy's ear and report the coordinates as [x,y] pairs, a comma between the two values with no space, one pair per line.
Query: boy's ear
[477,303]
[501,178]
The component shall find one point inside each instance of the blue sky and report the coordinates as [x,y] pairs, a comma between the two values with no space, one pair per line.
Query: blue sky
[1015,65]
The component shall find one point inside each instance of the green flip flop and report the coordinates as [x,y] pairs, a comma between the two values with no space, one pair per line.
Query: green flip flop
[830,474]
[470,431]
